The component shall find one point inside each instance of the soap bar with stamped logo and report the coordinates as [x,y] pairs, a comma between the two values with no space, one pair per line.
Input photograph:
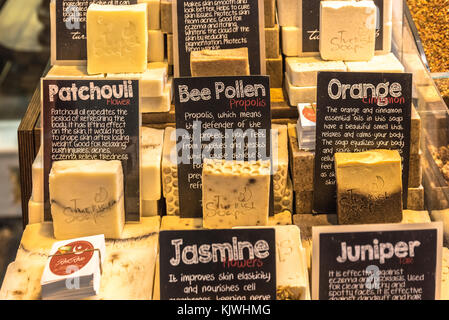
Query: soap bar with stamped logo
[87,198]
[117,38]
[369,187]
[235,193]
[348,30]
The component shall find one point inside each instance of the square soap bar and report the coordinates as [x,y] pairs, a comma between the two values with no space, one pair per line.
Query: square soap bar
[156,48]
[158,104]
[347,30]
[299,94]
[369,187]
[154,13]
[87,198]
[117,38]
[303,71]
[152,141]
[222,62]
[235,193]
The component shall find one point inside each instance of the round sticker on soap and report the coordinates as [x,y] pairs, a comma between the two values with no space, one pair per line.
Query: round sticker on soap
[71,257]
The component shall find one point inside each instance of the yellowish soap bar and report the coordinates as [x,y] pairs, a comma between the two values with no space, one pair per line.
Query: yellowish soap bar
[223,62]
[117,38]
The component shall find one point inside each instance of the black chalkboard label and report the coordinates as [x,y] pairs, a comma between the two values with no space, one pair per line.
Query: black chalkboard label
[352,117]
[70,25]
[232,264]
[311,25]
[93,120]
[218,117]
[377,262]
[219,24]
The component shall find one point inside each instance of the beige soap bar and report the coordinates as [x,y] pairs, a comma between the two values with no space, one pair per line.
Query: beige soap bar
[117,38]
[154,13]
[369,187]
[291,42]
[415,198]
[223,62]
[272,42]
[156,46]
[152,142]
[87,198]
[379,63]
[158,104]
[299,94]
[77,72]
[35,212]
[166,16]
[235,193]
[170,173]
[37,177]
[303,71]
[302,163]
[412,216]
[347,30]
[170,49]
[151,208]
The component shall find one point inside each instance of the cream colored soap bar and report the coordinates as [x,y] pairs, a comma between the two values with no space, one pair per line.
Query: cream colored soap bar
[178,223]
[154,13]
[69,72]
[152,142]
[292,280]
[117,38]
[369,187]
[87,198]
[235,193]
[158,104]
[223,62]
[382,63]
[37,176]
[303,71]
[155,46]
[150,208]
[347,30]
[35,212]
[287,12]
[299,94]
[283,218]
[412,216]
[291,42]
[445,275]
[152,82]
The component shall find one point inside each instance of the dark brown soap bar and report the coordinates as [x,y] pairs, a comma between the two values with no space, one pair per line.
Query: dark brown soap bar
[304,202]
[270,13]
[369,187]
[272,50]
[415,198]
[274,70]
[415,171]
[222,62]
[302,163]
[166,17]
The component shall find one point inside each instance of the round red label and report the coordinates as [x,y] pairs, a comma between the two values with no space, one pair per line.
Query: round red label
[71,257]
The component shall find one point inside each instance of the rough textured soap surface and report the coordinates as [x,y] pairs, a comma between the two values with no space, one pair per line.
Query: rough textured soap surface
[380,63]
[299,94]
[272,42]
[152,142]
[235,193]
[222,62]
[302,163]
[166,16]
[369,187]
[87,198]
[280,219]
[347,30]
[303,71]
[415,198]
[275,71]
[117,38]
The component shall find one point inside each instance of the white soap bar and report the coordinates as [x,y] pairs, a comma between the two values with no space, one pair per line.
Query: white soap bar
[87,198]
[37,177]
[235,193]
[152,141]
[155,46]
[383,63]
[292,279]
[347,30]
[35,212]
[151,82]
[158,104]
[291,43]
[154,13]
[303,71]
[299,94]
[288,12]
[72,72]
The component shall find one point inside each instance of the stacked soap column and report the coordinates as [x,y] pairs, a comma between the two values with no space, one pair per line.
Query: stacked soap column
[273,57]
[156,38]
[167,30]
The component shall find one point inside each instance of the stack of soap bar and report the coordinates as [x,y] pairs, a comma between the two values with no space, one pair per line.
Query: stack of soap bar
[306,126]
[166,16]
[299,94]
[380,63]
[87,198]
[158,104]
[347,30]
[117,38]
[223,62]
[153,13]
[235,193]
[303,71]
[369,187]
[151,190]
[292,280]
[156,48]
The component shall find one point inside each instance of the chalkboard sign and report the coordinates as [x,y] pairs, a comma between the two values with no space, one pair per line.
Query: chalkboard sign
[311,25]
[377,262]
[232,264]
[358,112]
[218,117]
[219,24]
[93,120]
[69,22]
